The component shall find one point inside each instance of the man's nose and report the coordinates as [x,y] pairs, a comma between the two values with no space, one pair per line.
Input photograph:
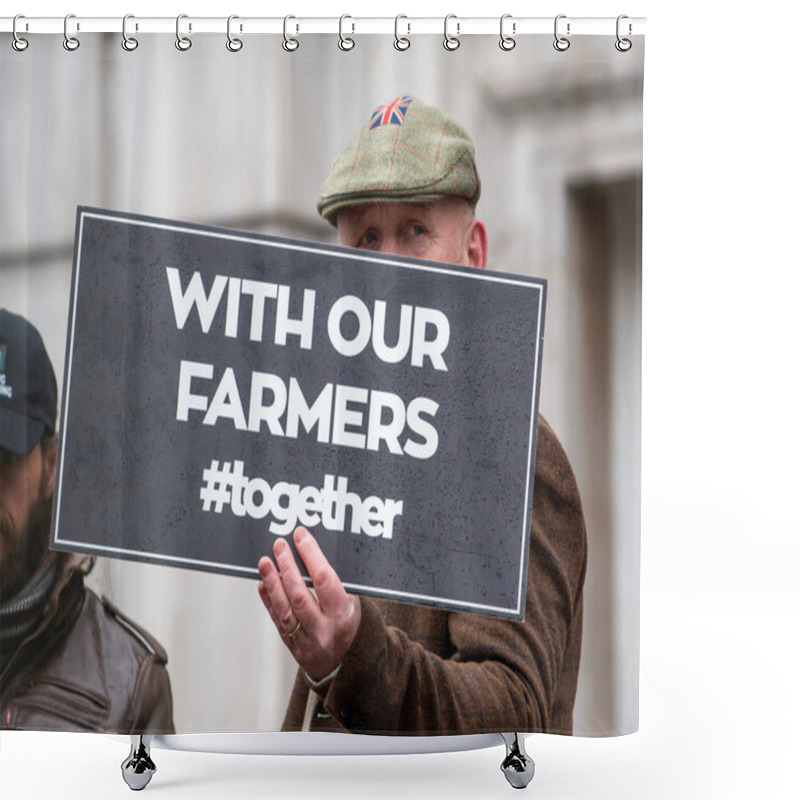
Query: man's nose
[391,246]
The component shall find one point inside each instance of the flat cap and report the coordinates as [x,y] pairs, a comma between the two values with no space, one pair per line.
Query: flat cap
[406,152]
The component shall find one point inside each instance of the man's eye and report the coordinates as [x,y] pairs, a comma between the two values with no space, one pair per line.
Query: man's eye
[417,229]
[370,237]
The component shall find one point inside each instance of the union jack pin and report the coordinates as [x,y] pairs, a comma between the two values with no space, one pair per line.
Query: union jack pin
[392,113]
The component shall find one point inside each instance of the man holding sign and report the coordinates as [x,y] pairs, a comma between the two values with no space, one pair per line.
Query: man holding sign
[407,184]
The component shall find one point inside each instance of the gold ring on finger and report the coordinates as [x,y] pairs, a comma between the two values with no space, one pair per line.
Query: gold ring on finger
[295,633]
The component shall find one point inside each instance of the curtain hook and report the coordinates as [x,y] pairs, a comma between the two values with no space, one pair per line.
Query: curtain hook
[128,42]
[561,43]
[234,45]
[183,43]
[451,42]
[623,45]
[290,44]
[18,43]
[401,42]
[70,42]
[507,42]
[346,42]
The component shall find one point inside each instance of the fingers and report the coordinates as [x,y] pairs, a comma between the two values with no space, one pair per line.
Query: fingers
[265,566]
[332,598]
[285,593]
[301,602]
[318,630]
[274,597]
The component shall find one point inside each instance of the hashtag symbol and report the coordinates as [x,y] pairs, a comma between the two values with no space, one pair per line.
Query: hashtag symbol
[216,489]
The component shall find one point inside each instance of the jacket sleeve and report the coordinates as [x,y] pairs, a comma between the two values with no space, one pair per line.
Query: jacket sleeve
[439,672]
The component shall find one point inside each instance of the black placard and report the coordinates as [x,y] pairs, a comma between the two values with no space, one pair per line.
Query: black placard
[222,387]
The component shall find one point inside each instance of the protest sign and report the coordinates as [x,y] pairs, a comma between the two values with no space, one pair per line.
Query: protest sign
[223,387]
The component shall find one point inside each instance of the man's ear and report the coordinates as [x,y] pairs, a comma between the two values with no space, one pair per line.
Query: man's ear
[477,244]
[50,459]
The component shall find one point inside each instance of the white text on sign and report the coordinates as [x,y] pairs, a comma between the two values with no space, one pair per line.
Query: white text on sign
[287,503]
[412,336]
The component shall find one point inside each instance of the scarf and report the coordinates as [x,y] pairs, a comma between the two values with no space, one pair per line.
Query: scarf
[24,612]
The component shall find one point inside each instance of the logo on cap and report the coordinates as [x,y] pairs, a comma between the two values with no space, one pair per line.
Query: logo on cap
[5,390]
[391,114]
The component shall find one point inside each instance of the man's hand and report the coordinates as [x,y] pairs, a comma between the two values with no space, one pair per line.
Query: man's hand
[317,630]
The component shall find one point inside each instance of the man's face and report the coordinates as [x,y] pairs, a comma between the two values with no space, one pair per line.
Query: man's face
[26,493]
[442,231]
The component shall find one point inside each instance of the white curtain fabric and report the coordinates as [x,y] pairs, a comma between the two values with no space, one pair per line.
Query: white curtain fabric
[245,140]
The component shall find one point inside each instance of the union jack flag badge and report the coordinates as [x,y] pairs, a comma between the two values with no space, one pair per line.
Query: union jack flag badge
[390,114]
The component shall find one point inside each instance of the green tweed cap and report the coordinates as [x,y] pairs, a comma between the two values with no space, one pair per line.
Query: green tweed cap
[406,152]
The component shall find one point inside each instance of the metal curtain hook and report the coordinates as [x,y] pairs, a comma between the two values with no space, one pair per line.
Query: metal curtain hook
[507,42]
[18,43]
[401,42]
[623,45]
[290,44]
[451,42]
[183,43]
[70,42]
[234,45]
[346,42]
[128,42]
[561,43]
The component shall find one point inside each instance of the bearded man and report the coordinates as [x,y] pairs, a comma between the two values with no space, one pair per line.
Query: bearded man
[69,660]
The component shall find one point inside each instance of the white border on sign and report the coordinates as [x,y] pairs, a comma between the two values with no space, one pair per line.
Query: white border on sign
[287,245]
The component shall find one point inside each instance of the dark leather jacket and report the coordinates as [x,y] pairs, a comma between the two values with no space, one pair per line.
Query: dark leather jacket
[87,668]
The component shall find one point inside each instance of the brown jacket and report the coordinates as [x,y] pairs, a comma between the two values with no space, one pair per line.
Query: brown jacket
[87,668]
[413,669]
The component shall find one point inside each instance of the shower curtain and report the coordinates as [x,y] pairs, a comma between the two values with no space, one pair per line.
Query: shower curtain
[241,138]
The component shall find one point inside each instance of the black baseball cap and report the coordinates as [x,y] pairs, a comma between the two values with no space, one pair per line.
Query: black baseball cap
[28,391]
